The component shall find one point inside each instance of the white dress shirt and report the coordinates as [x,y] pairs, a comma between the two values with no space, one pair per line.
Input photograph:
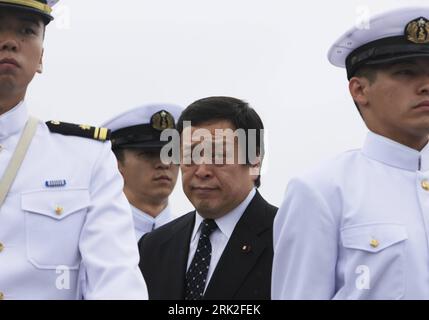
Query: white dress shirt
[51,237]
[144,222]
[356,227]
[220,237]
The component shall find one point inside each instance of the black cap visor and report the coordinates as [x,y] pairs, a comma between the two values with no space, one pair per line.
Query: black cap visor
[384,51]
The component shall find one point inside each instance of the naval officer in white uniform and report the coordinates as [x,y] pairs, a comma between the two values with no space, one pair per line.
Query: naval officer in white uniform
[136,142]
[62,209]
[357,227]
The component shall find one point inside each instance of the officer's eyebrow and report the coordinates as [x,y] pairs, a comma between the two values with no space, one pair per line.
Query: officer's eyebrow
[31,20]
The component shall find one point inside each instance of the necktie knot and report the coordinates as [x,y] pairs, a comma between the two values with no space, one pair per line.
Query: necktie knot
[207,227]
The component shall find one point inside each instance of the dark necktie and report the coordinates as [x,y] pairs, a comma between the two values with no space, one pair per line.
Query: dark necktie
[197,273]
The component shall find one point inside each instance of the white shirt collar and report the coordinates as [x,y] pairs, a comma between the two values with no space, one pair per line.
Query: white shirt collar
[146,223]
[13,121]
[163,217]
[226,223]
[394,154]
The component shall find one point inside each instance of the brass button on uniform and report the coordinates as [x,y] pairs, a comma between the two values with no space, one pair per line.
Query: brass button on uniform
[374,243]
[425,185]
[59,210]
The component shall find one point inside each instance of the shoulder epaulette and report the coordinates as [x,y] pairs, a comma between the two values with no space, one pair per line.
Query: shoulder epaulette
[79,130]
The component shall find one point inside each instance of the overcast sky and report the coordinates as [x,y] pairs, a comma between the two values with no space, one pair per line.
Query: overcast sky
[103,57]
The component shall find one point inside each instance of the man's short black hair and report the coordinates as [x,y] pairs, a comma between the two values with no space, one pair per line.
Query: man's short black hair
[368,72]
[234,110]
[119,154]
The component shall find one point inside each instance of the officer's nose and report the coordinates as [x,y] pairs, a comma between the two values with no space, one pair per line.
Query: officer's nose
[424,87]
[8,43]
[161,165]
[203,171]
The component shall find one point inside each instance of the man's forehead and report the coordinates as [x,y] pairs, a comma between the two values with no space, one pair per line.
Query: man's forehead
[215,133]
[215,140]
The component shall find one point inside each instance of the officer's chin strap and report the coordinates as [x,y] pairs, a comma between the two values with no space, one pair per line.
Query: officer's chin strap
[17,157]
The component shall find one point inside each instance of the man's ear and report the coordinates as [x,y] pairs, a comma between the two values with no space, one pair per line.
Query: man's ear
[358,87]
[121,167]
[40,67]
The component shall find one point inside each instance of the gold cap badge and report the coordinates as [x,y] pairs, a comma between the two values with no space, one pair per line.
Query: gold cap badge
[417,30]
[162,120]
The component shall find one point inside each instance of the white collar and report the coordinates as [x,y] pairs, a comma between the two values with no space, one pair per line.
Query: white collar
[13,121]
[394,154]
[226,223]
[145,222]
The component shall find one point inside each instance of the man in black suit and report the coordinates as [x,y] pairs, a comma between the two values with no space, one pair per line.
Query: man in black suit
[223,249]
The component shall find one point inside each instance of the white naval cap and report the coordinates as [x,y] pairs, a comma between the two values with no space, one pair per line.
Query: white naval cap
[141,127]
[394,35]
[41,7]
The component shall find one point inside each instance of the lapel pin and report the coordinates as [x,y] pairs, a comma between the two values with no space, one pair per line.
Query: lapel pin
[246,248]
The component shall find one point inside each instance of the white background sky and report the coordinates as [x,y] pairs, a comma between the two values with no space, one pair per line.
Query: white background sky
[103,57]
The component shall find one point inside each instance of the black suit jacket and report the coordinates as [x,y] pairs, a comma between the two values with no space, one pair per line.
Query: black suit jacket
[243,271]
